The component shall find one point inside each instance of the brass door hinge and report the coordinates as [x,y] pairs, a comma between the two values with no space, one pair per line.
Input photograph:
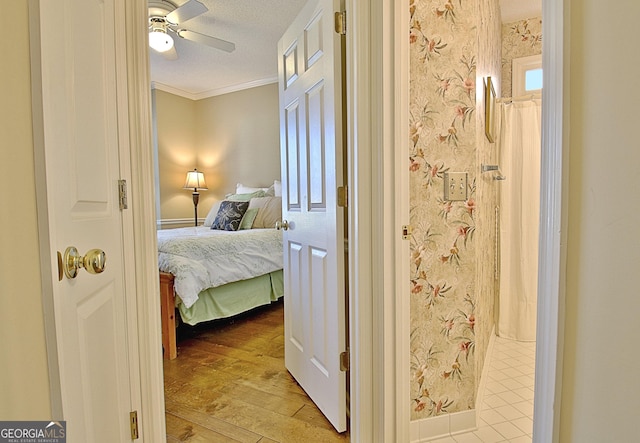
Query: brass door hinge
[341,22]
[407,230]
[122,194]
[133,422]
[343,196]
[344,361]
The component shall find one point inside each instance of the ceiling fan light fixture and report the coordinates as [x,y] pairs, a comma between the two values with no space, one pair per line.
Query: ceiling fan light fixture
[159,39]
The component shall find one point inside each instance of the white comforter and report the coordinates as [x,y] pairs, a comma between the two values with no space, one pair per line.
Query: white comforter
[201,258]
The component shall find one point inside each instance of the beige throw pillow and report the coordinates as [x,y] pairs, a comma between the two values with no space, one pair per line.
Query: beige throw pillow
[269,211]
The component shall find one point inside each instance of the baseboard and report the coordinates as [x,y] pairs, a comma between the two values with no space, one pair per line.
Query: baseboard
[441,426]
[168,223]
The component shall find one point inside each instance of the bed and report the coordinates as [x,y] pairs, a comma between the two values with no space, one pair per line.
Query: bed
[217,271]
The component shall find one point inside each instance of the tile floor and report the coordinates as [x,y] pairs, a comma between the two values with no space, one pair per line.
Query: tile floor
[506,408]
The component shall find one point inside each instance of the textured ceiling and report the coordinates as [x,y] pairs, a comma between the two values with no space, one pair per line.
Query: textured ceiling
[255,26]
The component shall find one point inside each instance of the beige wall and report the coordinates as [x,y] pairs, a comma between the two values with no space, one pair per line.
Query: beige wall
[600,385]
[231,138]
[24,384]
[239,139]
[177,153]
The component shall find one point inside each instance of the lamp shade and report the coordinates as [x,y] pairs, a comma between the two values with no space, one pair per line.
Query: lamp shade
[195,181]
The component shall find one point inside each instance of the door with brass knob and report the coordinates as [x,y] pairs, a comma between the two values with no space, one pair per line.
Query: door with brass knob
[93,261]
[313,168]
[86,145]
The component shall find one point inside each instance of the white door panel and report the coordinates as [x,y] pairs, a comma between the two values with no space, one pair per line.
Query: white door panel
[311,151]
[78,63]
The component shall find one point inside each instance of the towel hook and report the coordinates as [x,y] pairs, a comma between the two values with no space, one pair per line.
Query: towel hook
[491,168]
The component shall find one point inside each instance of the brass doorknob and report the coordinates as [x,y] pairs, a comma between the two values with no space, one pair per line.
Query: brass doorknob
[93,261]
[284,225]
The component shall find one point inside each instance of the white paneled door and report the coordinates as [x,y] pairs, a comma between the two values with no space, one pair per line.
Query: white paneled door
[309,61]
[84,140]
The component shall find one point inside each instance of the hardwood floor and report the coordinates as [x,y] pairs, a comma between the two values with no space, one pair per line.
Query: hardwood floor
[229,384]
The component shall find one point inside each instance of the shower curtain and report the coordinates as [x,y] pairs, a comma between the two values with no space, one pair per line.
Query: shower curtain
[519,144]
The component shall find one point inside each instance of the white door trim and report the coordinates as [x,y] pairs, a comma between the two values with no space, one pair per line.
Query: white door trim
[378,84]
[553,223]
[359,229]
[142,204]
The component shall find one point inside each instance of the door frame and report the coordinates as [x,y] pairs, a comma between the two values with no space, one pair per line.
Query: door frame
[377,110]
[390,413]
[143,205]
[378,78]
[552,246]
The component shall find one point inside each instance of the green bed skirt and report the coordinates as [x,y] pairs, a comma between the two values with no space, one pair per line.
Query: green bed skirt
[234,298]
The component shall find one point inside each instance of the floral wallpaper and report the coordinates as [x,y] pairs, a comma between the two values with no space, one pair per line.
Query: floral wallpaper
[519,39]
[454,44]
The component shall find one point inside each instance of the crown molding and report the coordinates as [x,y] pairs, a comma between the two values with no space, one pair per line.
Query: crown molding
[213,92]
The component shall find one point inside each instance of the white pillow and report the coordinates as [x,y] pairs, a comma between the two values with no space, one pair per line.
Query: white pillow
[211,216]
[277,187]
[242,189]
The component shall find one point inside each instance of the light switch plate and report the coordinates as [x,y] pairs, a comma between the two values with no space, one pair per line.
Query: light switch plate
[455,186]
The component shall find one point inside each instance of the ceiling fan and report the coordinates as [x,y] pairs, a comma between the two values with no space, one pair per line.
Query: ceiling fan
[165,19]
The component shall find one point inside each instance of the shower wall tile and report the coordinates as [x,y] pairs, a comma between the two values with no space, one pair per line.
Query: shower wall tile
[522,38]
[454,44]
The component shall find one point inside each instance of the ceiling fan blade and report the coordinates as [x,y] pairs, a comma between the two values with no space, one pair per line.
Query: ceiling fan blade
[171,54]
[191,9]
[217,43]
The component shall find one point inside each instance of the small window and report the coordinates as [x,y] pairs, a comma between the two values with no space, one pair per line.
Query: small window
[533,80]
[526,75]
